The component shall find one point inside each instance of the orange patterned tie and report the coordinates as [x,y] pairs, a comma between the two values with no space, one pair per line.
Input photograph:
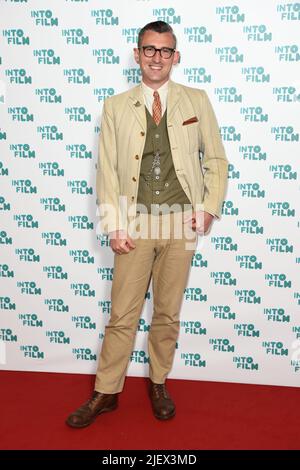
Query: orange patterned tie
[156,108]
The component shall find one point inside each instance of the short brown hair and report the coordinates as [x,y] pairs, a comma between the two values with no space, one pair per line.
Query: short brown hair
[158,27]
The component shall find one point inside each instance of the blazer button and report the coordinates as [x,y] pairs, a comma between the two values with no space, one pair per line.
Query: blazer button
[132,198]
[133,179]
[142,133]
[137,157]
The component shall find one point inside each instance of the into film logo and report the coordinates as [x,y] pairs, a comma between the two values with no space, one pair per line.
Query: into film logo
[295,359]
[2,352]
[2,91]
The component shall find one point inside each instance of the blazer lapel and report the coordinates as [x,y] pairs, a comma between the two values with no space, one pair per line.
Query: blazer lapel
[173,99]
[136,103]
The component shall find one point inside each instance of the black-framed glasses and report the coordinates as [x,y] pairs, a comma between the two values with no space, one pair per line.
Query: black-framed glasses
[150,51]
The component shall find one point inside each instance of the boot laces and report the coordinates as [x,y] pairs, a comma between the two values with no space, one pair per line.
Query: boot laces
[160,390]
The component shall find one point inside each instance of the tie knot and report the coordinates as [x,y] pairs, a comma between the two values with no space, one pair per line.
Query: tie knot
[156,94]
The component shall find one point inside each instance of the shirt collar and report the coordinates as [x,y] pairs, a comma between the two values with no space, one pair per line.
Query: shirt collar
[149,91]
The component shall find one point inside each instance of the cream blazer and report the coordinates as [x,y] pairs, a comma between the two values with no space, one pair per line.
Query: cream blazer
[197,151]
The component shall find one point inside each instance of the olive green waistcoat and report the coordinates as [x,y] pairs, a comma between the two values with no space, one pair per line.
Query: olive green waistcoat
[165,188]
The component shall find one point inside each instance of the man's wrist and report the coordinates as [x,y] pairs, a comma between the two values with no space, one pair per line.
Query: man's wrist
[117,234]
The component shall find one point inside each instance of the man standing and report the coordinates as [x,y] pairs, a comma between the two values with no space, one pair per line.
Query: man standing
[162,166]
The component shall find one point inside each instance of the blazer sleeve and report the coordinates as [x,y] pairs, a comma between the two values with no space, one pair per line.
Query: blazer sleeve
[214,161]
[107,182]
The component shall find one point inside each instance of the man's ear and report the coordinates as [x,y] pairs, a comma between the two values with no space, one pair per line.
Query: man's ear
[176,58]
[136,55]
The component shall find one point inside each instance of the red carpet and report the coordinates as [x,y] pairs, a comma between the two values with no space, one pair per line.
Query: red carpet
[209,415]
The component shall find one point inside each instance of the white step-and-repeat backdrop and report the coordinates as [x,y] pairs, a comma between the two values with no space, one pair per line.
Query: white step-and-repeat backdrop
[59,61]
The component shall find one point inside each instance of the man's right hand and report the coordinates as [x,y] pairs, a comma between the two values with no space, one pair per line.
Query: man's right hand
[120,242]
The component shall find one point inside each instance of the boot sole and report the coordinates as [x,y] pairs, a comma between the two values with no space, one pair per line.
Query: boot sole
[105,410]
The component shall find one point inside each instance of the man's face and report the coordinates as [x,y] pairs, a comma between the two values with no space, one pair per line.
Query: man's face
[156,70]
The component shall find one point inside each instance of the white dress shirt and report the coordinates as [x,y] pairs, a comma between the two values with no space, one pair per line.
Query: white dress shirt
[149,98]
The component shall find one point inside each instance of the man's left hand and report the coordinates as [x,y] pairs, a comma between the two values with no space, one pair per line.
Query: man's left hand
[200,221]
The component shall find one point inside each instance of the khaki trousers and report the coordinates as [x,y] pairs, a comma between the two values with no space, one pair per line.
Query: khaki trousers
[166,256]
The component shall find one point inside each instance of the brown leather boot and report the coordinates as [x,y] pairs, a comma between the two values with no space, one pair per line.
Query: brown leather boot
[88,412]
[162,404]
